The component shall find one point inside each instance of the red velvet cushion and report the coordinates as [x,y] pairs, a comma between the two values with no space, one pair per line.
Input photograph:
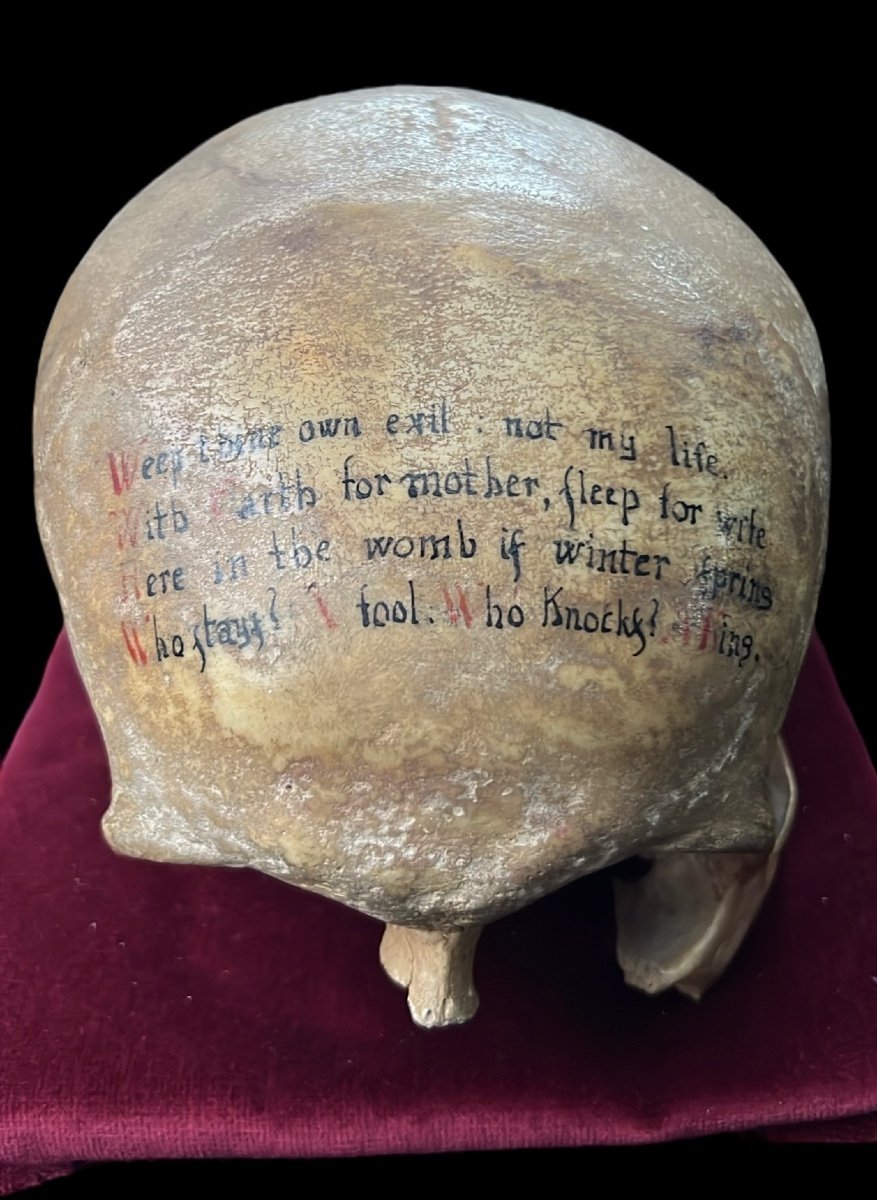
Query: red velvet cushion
[153,1011]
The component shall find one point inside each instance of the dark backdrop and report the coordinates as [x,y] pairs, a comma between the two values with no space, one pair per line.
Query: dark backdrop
[756,133]
[755,126]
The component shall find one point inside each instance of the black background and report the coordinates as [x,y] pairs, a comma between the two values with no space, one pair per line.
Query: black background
[766,143]
[756,125]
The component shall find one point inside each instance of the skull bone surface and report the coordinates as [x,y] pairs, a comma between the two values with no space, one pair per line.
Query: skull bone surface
[435,485]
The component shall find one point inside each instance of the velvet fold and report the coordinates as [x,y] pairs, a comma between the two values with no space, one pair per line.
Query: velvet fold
[156,1011]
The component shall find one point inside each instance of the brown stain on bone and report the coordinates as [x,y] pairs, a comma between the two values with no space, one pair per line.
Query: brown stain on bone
[227,316]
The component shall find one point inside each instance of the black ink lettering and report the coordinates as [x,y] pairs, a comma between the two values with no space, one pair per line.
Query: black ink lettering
[510,485]
[744,530]
[171,579]
[697,459]
[328,427]
[155,525]
[288,496]
[299,554]
[433,483]
[617,619]
[161,650]
[231,446]
[577,492]
[272,608]
[156,522]
[196,645]
[533,429]
[166,462]
[600,439]
[719,580]
[510,548]
[496,617]
[430,546]
[434,421]
[237,567]
[734,645]
[619,560]
[237,632]
[605,439]
[362,488]
[378,614]
[681,511]
[468,546]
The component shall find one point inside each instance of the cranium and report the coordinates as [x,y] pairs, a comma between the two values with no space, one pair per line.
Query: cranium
[448,482]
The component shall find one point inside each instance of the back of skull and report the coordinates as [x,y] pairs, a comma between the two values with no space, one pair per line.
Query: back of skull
[435,486]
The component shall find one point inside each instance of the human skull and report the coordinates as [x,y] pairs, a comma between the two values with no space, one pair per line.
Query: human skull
[435,485]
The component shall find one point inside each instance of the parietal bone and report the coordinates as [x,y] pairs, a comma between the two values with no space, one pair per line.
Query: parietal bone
[435,485]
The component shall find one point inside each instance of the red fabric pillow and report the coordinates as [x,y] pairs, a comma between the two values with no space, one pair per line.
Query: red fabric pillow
[155,1011]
